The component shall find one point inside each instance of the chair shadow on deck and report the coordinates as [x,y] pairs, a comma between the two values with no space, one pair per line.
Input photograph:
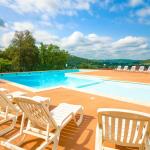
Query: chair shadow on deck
[13,131]
[69,137]
[125,148]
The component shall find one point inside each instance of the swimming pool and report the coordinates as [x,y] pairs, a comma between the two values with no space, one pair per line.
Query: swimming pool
[126,91]
[46,79]
[129,92]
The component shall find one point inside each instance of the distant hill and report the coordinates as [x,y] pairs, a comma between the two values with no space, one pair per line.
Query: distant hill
[121,61]
[78,62]
[128,62]
[145,62]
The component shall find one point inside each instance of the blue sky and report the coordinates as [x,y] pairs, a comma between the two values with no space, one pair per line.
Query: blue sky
[97,29]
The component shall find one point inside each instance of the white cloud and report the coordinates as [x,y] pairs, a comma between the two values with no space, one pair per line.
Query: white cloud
[98,39]
[129,41]
[134,3]
[43,36]
[51,24]
[142,15]
[144,12]
[20,26]
[92,45]
[72,40]
[144,20]
[6,39]
[45,17]
[50,7]
[99,47]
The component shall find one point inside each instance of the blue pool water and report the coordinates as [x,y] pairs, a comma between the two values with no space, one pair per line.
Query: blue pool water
[46,79]
[139,93]
[114,89]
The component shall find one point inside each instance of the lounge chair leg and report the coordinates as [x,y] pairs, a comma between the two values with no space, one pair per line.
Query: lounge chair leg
[21,140]
[56,141]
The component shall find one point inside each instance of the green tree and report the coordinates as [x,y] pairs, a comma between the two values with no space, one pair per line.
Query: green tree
[23,51]
[43,55]
[52,57]
[5,65]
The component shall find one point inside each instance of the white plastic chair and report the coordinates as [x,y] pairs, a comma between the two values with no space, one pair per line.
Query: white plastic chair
[122,127]
[42,122]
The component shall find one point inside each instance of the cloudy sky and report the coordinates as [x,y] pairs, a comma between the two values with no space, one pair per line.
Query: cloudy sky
[96,29]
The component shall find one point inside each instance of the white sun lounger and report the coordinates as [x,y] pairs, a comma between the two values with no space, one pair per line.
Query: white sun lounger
[125,68]
[122,127]
[133,68]
[118,68]
[8,112]
[11,94]
[141,69]
[41,121]
[15,94]
[148,70]
[3,90]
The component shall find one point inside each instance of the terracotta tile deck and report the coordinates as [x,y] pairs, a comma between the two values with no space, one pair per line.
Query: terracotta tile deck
[122,75]
[83,137]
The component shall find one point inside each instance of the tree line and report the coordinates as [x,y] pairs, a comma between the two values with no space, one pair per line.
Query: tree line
[24,55]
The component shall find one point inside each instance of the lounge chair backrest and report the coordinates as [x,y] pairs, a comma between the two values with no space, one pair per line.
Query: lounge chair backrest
[133,68]
[118,68]
[141,68]
[148,70]
[125,68]
[124,127]
[36,112]
[6,103]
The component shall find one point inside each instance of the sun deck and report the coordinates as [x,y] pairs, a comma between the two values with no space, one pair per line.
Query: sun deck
[83,137]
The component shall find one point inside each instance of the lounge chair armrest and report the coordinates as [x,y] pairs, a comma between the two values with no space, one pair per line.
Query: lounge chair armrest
[69,115]
[9,96]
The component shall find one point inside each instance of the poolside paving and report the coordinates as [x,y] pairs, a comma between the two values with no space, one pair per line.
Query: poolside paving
[142,77]
[83,137]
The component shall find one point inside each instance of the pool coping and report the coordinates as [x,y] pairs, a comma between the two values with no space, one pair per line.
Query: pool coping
[80,90]
[82,70]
